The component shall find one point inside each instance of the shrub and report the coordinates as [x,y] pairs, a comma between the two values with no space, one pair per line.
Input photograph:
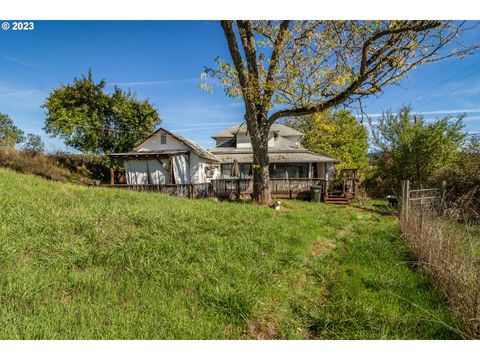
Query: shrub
[89,167]
[28,163]
[33,144]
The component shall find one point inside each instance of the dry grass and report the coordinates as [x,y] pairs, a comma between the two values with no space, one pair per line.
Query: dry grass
[449,252]
[28,163]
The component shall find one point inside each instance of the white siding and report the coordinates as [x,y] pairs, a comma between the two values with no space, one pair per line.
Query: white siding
[294,138]
[244,141]
[197,169]
[216,173]
[153,143]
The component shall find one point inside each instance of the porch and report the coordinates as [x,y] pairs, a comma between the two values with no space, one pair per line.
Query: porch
[293,188]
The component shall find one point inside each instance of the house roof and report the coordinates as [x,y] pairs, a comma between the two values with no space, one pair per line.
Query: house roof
[199,150]
[281,129]
[285,157]
[144,154]
[194,146]
[283,151]
[281,144]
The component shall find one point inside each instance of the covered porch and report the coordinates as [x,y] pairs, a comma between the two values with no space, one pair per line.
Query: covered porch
[154,167]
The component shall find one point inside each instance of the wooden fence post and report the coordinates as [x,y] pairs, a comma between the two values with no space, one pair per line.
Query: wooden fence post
[443,190]
[405,200]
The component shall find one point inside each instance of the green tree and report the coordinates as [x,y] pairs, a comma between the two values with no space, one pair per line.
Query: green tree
[10,134]
[338,135]
[93,121]
[410,148]
[294,68]
[33,144]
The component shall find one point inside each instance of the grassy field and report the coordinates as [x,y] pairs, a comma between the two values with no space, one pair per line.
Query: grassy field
[94,263]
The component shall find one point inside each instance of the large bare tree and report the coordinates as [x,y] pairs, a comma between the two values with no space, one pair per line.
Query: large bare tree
[293,68]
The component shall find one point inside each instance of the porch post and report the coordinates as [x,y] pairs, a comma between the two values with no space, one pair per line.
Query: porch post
[170,169]
[112,173]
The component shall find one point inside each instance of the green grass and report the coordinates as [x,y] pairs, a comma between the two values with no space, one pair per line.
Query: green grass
[95,263]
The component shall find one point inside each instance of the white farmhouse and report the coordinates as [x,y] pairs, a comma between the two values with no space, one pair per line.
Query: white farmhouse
[168,158]
[288,159]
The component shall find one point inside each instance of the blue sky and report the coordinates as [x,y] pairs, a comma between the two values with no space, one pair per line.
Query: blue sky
[162,61]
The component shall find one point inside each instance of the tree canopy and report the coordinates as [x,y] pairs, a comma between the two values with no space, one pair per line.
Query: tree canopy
[295,68]
[10,134]
[93,121]
[412,148]
[336,134]
[33,144]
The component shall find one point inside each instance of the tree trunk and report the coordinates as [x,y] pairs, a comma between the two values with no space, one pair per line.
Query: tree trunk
[261,178]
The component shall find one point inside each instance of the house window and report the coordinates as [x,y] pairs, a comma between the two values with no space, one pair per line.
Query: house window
[245,171]
[163,139]
[288,171]
[226,170]
[210,170]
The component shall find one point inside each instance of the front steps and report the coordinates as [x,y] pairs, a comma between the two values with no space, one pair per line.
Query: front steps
[337,199]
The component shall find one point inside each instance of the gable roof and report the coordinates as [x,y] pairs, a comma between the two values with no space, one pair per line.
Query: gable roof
[277,157]
[199,150]
[281,129]
[284,150]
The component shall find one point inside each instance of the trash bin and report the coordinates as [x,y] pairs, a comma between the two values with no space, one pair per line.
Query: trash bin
[316,193]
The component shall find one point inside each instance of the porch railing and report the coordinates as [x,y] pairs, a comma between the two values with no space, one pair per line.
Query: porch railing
[193,191]
[222,188]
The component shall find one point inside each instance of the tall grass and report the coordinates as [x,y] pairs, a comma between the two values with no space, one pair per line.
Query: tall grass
[80,262]
[449,252]
[63,167]
[31,163]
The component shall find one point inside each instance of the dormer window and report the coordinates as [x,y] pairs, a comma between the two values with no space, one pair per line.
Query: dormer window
[163,139]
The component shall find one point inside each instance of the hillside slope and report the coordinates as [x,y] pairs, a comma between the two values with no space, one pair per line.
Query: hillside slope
[79,262]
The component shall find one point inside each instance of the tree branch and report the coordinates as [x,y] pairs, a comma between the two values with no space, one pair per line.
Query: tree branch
[361,76]
[274,59]
[245,30]
[235,52]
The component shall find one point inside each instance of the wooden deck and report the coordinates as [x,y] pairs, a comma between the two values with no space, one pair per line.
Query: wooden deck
[295,188]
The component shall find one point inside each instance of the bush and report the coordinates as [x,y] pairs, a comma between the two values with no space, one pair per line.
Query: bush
[28,163]
[60,166]
[463,186]
[88,167]
[33,144]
